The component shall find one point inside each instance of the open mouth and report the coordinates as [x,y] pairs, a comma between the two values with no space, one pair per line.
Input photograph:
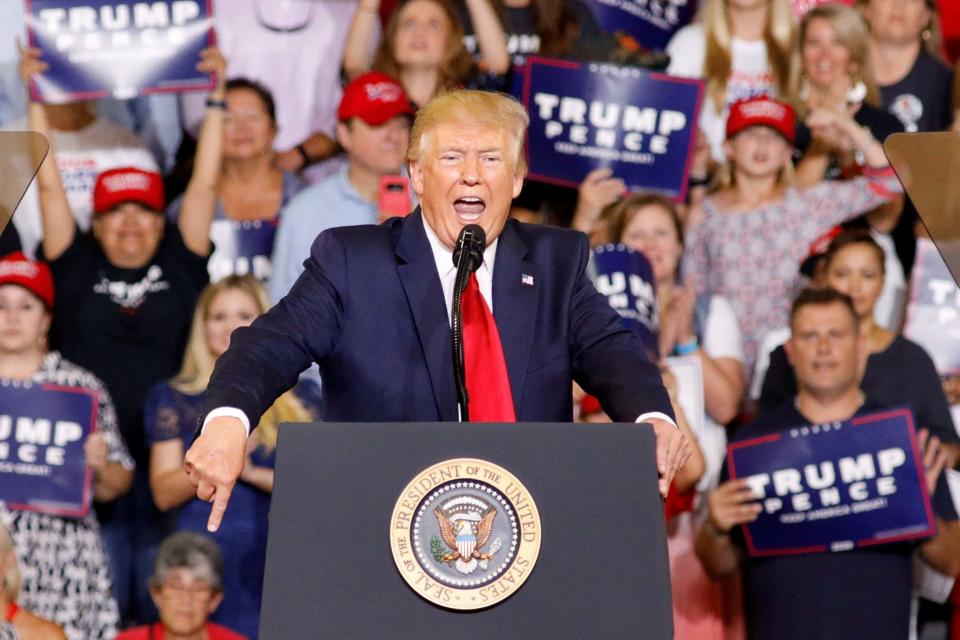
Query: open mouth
[469,208]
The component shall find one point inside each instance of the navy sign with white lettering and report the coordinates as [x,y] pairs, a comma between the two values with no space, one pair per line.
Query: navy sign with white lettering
[582,116]
[123,48]
[625,277]
[835,486]
[42,431]
[650,22]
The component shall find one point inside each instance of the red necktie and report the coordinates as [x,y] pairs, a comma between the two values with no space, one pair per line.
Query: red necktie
[488,385]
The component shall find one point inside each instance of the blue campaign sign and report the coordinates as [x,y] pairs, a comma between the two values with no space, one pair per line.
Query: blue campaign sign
[625,277]
[42,431]
[650,22]
[118,48]
[241,248]
[835,486]
[640,124]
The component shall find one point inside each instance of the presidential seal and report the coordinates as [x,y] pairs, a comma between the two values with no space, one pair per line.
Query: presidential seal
[465,534]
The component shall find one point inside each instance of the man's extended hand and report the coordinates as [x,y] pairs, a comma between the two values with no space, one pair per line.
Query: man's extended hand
[673,451]
[214,462]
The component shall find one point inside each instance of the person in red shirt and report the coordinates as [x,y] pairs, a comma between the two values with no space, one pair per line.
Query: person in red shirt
[186,586]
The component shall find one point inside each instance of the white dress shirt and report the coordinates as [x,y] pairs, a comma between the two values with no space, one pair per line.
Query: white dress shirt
[443,257]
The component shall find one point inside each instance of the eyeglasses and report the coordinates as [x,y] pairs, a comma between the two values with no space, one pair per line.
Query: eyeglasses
[192,589]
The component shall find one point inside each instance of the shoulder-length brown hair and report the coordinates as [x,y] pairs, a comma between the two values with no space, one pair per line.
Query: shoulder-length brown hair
[457,66]
[619,214]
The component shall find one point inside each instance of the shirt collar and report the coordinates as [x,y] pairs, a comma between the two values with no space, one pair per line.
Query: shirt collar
[347,188]
[444,256]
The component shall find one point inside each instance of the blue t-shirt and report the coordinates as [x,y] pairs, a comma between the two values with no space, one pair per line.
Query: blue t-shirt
[863,593]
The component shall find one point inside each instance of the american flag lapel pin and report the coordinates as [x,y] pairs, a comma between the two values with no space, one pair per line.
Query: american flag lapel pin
[526,279]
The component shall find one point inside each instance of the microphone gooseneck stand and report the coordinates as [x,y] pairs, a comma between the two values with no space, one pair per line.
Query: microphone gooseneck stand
[467,256]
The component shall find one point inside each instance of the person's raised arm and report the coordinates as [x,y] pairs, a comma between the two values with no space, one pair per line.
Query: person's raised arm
[363,26]
[491,41]
[598,190]
[59,227]
[200,198]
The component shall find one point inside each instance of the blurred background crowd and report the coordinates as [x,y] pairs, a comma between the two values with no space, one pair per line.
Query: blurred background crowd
[159,224]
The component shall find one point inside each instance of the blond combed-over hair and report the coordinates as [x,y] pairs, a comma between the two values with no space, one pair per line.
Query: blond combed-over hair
[468,107]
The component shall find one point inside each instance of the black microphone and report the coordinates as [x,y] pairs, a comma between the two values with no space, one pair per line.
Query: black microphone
[470,245]
[468,256]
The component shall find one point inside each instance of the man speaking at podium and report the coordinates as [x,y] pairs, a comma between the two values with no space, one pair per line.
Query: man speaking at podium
[373,309]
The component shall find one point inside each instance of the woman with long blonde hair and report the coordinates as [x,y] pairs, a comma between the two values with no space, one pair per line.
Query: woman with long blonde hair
[170,417]
[742,49]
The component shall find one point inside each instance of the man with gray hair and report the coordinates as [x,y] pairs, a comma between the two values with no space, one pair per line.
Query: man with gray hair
[373,309]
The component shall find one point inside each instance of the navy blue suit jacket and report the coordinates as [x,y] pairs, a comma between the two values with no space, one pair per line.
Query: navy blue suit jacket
[370,310]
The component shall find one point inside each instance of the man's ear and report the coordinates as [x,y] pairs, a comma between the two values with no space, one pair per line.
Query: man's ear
[416,177]
[518,177]
[788,347]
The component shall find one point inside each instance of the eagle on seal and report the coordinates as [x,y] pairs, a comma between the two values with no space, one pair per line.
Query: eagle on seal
[465,539]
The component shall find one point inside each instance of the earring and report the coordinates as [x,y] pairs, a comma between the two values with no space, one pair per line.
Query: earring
[857,93]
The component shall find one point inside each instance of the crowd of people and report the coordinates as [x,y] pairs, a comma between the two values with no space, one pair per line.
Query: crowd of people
[158,225]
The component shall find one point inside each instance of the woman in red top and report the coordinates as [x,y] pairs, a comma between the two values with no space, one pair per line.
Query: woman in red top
[187,587]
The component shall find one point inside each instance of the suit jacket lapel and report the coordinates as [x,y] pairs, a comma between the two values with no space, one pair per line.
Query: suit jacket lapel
[421,284]
[515,302]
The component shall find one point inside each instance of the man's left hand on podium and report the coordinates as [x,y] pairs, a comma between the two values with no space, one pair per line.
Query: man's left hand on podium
[673,451]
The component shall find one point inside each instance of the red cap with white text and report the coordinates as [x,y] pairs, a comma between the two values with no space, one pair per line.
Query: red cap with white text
[374,97]
[35,277]
[765,112]
[128,184]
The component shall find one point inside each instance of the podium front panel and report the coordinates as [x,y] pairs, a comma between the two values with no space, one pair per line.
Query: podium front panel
[602,570]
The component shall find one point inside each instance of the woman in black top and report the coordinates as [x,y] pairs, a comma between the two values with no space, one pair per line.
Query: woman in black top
[835,73]
[898,371]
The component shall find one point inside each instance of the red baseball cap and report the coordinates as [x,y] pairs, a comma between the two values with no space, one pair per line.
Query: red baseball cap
[35,277]
[374,97]
[128,184]
[762,111]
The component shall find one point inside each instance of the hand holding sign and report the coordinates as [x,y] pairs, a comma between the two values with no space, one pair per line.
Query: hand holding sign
[214,463]
[598,190]
[95,452]
[213,62]
[732,503]
[30,63]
